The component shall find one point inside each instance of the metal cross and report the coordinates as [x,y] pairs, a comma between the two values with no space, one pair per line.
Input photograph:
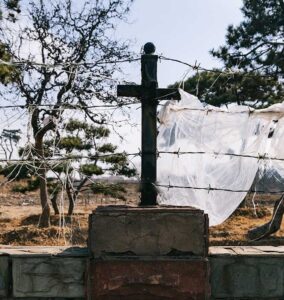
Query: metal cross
[149,94]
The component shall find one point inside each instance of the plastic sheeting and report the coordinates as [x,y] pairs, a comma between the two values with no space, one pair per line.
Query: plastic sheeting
[203,168]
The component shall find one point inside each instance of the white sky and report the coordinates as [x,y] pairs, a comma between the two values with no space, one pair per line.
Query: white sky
[182,29]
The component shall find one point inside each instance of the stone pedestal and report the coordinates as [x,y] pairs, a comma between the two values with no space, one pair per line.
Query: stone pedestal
[148,253]
[148,231]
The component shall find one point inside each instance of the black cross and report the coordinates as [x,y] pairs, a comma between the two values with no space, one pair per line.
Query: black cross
[149,94]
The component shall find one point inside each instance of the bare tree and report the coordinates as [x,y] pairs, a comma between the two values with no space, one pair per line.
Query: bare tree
[9,139]
[73,56]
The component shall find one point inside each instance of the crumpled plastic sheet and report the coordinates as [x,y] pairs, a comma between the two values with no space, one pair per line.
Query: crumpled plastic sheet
[216,136]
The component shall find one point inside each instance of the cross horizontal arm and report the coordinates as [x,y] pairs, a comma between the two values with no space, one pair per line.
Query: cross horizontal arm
[137,92]
[167,94]
[129,91]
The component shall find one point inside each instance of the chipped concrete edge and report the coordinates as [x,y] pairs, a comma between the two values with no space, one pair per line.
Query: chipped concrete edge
[56,265]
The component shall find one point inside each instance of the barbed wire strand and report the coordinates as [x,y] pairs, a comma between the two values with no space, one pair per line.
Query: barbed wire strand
[158,153]
[210,188]
[227,71]
[65,64]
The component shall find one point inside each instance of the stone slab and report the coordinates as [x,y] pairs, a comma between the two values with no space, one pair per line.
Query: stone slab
[48,275]
[151,231]
[247,272]
[43,251]
[247,251]
[4,275]
[142,279]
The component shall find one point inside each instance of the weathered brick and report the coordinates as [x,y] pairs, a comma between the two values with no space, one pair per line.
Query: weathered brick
[142,279]
[148,231]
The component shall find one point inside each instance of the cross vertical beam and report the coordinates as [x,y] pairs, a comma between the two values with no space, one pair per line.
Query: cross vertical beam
[149,126]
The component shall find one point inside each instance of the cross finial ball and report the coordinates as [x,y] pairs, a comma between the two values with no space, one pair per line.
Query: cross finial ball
[149,48]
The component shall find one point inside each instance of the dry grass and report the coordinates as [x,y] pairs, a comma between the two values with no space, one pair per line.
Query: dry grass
[63,231]
[20,213]
[234,230]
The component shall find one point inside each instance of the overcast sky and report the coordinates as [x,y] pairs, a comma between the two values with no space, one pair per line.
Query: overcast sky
[182,29]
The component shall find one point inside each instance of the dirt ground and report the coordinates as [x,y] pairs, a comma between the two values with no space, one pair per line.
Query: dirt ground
[20,213]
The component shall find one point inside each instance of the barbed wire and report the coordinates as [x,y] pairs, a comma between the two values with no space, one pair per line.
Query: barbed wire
[206,110]
[62,159]
[197,67]
[210,188]
[158,154]
[66,64]
[69,106]
[258,157]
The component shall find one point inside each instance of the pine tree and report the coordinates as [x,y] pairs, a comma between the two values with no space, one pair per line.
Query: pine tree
[8,13]
[257,43]
[82,153]
[87,145]
[217,88]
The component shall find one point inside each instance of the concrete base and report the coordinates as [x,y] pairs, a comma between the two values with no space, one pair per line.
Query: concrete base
[151,231]
[236,273]
[142,279]
[148,253]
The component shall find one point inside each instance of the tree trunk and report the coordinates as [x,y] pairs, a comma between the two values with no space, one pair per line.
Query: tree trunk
[272,226]
[72,198]
[45,216]
[53,200]
[73,195]
[71,206]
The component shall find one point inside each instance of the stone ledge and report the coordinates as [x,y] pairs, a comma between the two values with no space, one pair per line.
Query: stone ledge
[246,251]
[39,251]
[147,209]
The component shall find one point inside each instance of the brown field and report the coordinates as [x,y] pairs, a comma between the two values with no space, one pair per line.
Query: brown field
[20,213]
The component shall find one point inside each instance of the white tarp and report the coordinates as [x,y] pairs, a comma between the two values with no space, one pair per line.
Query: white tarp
[215,137]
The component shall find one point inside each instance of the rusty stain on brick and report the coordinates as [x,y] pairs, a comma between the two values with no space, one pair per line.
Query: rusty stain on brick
[149,279]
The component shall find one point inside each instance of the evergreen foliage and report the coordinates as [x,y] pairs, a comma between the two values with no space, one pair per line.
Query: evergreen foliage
[8,13]
[254,52]
[257,43]
[221,89]
[100,158]
[86,144]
